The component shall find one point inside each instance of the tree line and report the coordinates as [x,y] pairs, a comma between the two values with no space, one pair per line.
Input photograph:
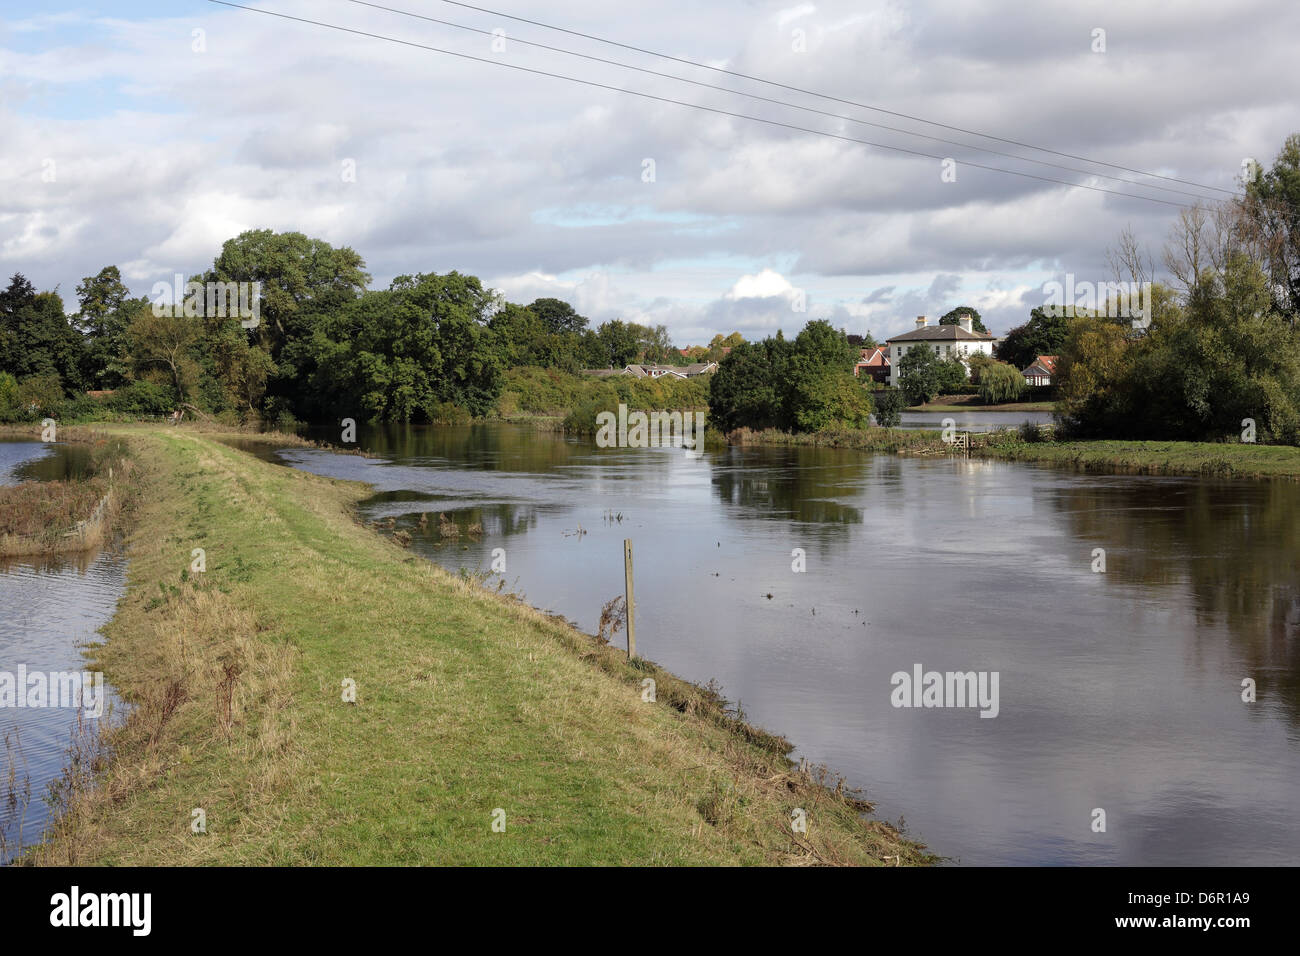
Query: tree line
[1221,348]
[1220,357]
[324,344]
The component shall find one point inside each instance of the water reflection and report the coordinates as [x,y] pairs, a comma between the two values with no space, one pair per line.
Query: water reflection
[1231,549]
[1119,690]
[42,461]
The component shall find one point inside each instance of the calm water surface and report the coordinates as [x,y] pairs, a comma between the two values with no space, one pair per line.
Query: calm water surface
[1118,690]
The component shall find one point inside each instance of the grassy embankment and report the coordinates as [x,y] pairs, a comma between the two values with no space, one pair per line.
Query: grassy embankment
[1216,459]
[1219,459]
[465,702]
[899,441]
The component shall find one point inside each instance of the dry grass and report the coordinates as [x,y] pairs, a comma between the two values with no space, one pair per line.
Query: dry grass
[38,517]
[47,507]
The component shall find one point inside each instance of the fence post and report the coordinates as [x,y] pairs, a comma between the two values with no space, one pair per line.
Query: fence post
[631,601]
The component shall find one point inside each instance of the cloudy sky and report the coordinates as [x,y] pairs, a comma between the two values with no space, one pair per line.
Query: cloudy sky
[143,133]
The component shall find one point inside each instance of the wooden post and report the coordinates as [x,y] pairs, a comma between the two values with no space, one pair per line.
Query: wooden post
[631,601]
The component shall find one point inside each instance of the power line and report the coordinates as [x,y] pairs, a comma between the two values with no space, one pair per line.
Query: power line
[697,106]
[785,103]
[827,96]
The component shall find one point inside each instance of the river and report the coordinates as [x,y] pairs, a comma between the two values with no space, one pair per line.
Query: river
[49,610]
[1118,690]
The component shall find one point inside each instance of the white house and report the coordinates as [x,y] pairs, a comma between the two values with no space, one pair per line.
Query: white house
[958,341]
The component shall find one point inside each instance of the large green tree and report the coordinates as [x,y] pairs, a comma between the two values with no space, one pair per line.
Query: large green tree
[952,317]
[304,281]
[558,316]
[803,385]
[1271,208]
[620,344]
[1000,382]
[106,310]
[922,375]
[401,354]
[748,389]
[36,337]
[1043,334]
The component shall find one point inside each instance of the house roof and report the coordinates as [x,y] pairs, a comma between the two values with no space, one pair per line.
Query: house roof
[681,371]
[941,333]
[1045,362]
[873,357]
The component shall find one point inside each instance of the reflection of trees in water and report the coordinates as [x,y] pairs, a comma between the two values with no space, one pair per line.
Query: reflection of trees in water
[492,447]
[1236,547]
[65,461]
[794,486]
[790,484]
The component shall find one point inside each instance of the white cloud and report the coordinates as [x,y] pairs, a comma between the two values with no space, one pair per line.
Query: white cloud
[162,153]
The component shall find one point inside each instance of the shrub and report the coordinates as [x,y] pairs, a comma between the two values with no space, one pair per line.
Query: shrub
[582,419]
[1031,432]
[43,392]
[9,403]
[889,403]
[444,413]
[141,398]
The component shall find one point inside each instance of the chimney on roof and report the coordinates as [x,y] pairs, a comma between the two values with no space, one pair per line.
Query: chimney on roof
[920,321]
[966,320]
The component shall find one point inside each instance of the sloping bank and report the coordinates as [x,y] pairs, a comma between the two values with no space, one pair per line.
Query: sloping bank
[467,705]
[1206,459]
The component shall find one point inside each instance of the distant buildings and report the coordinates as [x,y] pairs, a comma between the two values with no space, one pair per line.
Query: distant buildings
[656,371]
[958,341]
[1041,370]
[874,363]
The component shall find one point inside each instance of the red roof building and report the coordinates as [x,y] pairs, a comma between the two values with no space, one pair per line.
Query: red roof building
[875,362]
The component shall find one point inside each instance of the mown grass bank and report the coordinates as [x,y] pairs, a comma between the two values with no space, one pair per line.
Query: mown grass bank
[466,702]
[1217,459]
